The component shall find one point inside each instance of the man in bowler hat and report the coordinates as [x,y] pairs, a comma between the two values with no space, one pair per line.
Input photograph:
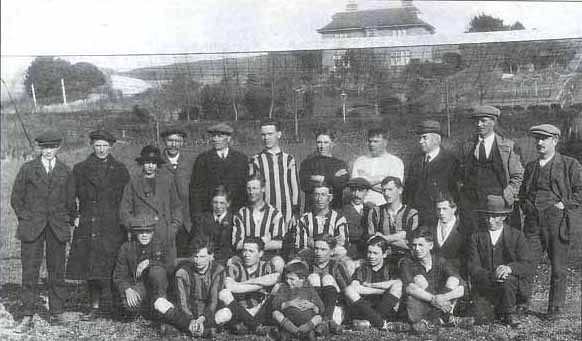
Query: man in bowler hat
[43,201]
[551,198]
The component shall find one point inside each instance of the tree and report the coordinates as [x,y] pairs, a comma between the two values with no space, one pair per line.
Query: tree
[46,74]
[488,23]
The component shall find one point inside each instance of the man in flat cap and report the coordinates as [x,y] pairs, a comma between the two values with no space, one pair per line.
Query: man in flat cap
[500,264]
[551,199]
[43,201]
[99,182]
[356,214]
[179,165]
[490,166]
[430,172]
[222,165]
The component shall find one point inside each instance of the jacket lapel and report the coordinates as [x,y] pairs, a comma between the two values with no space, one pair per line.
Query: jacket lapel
[41,172]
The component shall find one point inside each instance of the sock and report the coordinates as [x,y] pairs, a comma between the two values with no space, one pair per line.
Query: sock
[241,314]
[368,313]
[387,305]
[287,325]
[329,298]
[177,318]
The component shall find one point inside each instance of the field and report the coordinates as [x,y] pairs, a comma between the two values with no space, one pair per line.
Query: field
[350,145]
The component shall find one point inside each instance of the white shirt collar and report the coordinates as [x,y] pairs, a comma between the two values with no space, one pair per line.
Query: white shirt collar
[495,235]
[487,142]
[173,159]
[444,230]
[48,164]
[433,154]
[221,217]
[544,162]
[222,153]
[358,208]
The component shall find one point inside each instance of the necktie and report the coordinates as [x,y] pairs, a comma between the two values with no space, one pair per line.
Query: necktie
[50,167]
[482,154]
[425,163]
[443,234]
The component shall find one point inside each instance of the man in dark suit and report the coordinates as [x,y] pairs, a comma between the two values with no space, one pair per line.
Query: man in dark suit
[431,172]
[179,165]
[551,198]
[43,200]
[220,166]
[500,264]
[491,166]
[449,238]
[356,214]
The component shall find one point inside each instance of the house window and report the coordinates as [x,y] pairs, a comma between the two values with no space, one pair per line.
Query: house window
[400,57]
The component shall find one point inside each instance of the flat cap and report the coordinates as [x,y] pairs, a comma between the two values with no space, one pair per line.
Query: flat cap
[173,131]
[102,135]
[544,130]
[495,205]
[428,126]
[359,183]
[142,223]
[486,111]
[49,138]
[221,128]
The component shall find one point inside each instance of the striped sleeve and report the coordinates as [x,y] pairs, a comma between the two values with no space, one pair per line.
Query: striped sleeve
[238,228]
[372,221]
[294,181]
[278,229]
[412,220]
[301,238]
[341,229]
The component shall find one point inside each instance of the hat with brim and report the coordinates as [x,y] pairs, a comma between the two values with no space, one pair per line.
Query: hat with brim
[221,128]
[546,130]
[486,111]
[428,126]
[49,139]
[150,154]
[495,205]
[173,131]
[102,135]
[359,183]
[142,223]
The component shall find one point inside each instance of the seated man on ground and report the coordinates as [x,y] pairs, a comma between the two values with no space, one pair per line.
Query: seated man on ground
[140,276]
[198,281]
[247,287]
[356,214]
[432,285]
[374,293]
[330,278]
[296,307]
[500,265]
[321,220]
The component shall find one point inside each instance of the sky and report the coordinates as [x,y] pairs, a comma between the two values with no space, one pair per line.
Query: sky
[81,27]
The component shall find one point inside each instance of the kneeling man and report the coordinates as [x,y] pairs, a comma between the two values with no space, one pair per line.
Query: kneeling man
[375,291]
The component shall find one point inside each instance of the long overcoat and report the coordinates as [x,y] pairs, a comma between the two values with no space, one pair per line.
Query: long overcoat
[96,241]
[164,205]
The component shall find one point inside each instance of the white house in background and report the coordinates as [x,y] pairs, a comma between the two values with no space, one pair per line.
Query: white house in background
[391,23]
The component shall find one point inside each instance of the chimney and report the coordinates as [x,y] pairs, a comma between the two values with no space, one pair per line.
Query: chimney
[352,6]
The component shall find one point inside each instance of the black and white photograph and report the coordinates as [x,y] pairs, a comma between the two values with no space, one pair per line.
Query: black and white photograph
[290,170]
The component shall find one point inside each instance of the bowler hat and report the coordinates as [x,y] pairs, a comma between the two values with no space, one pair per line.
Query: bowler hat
[49,138]
[428,126]
[150,153]
[173,131]
[221,128]
[142,223]
[102,135]
[359,183]
[486,111]
[495,205]
[544,130]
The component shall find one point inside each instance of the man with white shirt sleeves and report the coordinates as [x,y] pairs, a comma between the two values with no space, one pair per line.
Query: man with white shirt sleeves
[491,166]
[500,264]
[432,171]
[551,197]
[377,165]
[449,238]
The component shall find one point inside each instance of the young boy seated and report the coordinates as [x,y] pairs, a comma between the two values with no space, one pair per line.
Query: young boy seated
[296,307]
[198,281]
[374,294]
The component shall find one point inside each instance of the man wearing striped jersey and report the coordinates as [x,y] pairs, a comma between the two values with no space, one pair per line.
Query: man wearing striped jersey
[247,286]
[393,220]
[321,220]
[280,172]
[260,220]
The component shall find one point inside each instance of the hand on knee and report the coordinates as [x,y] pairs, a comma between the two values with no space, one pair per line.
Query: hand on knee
[162,305]
[421,282]
[222,316]
[314,280]
[225,296]
[328,280]
[352,293]
[396,289]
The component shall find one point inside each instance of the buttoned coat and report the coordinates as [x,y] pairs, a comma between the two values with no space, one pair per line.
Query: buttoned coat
[182,175]
[566,184]
[517,255]
[164,205]
[99,188]
[129,257]
[423,185]
[210,170]
[39,199]
[454,248]
[204,226]
[512,166]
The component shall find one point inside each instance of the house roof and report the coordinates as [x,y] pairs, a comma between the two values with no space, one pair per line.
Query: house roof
[377,18]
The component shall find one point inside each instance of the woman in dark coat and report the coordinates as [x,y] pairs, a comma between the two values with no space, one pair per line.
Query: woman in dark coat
[152,192]
[99,183]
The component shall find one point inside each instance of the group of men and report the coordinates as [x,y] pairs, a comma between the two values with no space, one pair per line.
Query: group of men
[219,241]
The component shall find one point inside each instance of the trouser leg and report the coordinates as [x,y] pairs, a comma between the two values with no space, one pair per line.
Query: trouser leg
[507,295]
[156,281]
[31,254]
[558,254]
[417,309]
[386,305]
[241,314]
[55,264]
[362,309]
[329,296]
